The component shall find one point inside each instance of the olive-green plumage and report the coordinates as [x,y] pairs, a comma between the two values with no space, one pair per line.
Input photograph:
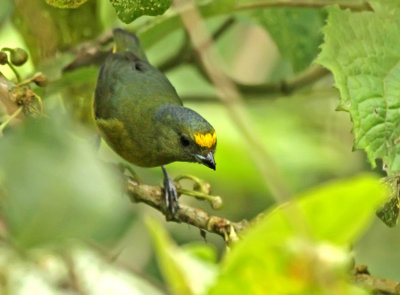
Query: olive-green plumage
[140,114]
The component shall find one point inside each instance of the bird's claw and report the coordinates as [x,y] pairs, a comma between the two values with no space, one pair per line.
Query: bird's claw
[171,198]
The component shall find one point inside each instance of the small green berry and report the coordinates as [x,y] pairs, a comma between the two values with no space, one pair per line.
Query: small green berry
[18,56]
[216,202]
[3,58]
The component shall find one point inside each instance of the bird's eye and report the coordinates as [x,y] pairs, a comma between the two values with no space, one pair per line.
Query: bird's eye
[184,141]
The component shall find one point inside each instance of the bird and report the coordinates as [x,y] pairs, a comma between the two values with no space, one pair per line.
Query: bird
[141,117]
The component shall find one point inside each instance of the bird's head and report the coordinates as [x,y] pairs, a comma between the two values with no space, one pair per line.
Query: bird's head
[184,135]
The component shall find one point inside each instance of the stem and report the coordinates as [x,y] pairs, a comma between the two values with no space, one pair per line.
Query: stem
[9,119]
[203,186]
[195,194]
[14,71]
[304,4]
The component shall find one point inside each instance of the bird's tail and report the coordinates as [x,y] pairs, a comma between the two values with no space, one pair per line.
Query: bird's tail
[126,41]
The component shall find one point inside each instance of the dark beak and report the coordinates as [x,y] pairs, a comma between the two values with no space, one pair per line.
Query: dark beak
[207,160]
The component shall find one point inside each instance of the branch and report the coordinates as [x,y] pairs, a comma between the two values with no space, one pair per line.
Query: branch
[304,4]
[378,285]
[186,54]
[154,197]
[90,53]
[93,53]
[285,87]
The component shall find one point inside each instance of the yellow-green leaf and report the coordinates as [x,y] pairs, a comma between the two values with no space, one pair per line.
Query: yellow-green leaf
[129,10]
[294,248]
[185,273]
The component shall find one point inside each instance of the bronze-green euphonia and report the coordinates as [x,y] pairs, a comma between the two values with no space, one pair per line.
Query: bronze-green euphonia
[140,115]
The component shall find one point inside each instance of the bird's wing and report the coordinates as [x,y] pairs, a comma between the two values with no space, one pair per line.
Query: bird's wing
[126,80]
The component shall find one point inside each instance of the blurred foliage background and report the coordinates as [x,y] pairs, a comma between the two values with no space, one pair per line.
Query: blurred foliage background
[63,202]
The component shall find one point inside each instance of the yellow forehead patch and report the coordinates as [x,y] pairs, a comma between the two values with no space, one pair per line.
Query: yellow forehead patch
[206,140]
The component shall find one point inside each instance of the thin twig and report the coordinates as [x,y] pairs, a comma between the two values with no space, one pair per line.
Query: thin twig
[304,4]
[153,196]
[285,87]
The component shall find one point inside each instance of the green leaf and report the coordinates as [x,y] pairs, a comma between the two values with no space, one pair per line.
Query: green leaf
[184,272]
[129,10]
[296,32]
[55,187]
[361,50]
[293,248]
[66,3]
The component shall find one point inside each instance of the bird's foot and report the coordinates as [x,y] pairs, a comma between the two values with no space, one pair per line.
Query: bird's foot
[171,196]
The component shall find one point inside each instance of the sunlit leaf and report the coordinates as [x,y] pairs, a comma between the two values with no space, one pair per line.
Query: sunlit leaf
[285,251]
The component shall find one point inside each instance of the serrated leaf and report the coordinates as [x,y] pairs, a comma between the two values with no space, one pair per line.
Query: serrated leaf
[129,10]
[296,32]
[66,3]
[361,50]
[274,257]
